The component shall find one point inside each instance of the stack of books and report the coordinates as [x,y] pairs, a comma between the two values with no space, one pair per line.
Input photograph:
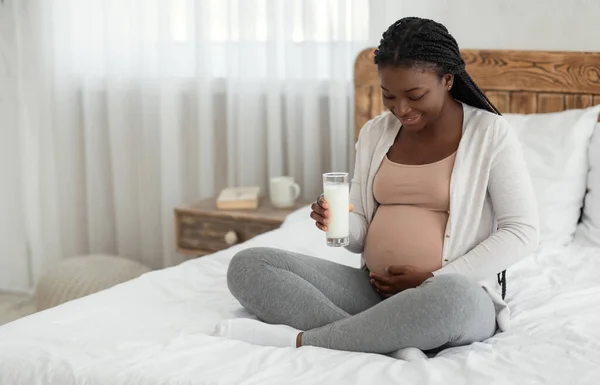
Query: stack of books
[236,198]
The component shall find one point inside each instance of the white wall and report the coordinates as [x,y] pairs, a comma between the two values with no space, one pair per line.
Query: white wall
[558,25]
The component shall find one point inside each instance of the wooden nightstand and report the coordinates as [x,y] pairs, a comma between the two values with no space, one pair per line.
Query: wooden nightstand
[202,229]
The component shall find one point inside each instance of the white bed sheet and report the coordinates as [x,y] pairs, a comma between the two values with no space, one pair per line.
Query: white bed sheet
[155,330]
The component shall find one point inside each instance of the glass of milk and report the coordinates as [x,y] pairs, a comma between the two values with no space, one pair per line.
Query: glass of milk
[336,191]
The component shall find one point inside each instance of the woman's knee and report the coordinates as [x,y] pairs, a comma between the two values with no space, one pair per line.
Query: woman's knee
[463,292]
[243,265]
[470,304]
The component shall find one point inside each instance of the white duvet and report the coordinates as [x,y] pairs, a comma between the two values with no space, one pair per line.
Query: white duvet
[155,330]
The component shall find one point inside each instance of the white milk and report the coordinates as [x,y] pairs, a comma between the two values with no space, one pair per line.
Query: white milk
[337,196]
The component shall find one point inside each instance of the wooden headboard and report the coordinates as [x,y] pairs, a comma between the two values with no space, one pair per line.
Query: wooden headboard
[515,81]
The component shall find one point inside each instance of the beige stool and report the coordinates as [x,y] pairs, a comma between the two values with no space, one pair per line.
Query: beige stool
[77,277]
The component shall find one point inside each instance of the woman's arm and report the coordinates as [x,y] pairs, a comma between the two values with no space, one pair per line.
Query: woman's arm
[515,207]
[358,221]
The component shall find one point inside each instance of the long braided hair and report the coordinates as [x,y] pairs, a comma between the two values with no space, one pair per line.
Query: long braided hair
[424,43]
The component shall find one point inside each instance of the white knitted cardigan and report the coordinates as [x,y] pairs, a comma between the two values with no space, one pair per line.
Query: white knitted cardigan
[493,221]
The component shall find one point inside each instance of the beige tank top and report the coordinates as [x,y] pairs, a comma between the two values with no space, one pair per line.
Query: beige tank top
[409,224]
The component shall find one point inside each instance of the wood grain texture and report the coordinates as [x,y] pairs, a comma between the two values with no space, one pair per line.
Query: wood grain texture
[199,232]
[367,94]
[515,81]
[201,228]
[539,71]
[523,102]
[550,102]
[500,99]
[578,101]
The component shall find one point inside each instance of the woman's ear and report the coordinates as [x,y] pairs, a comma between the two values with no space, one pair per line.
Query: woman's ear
[448,81]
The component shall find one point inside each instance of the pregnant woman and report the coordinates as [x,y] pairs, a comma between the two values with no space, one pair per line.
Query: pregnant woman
[441,203]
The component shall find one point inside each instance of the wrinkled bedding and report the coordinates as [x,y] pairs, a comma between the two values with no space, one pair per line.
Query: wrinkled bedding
[156,330]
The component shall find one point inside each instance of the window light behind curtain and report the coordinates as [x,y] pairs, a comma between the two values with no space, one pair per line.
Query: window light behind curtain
[131,107]
[143,29]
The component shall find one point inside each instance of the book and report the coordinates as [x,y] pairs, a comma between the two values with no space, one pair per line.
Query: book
[232,198]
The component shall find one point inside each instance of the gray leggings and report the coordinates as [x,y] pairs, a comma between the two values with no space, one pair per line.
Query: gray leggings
[338,308]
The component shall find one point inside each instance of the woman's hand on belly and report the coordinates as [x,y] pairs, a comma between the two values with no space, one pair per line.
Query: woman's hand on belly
[399,278]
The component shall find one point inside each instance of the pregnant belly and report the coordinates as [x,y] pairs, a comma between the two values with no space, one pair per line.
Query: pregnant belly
[405,235]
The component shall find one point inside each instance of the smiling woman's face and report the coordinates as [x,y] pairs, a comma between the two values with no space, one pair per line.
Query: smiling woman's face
[415,96]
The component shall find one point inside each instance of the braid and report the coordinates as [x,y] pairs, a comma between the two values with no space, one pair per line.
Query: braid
[467,91]
[417,42]
[413,41]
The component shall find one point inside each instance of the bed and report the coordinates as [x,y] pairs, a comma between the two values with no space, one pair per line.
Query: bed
[156,329]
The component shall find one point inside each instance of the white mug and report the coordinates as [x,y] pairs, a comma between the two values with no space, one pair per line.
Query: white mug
[284,191]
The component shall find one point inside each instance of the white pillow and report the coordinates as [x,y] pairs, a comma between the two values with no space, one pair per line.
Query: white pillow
[588,230]
[555,146]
